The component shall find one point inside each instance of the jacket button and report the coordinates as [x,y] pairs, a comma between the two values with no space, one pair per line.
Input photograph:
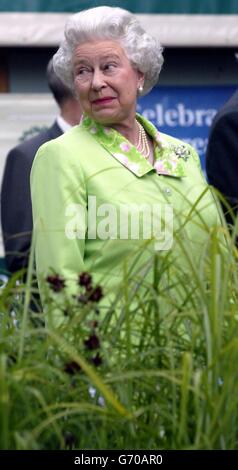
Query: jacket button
[167,191]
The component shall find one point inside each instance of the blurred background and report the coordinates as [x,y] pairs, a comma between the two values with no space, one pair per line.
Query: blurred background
[200,72]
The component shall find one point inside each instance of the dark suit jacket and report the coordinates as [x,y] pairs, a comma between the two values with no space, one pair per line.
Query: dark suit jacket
[16,210]
[222,152]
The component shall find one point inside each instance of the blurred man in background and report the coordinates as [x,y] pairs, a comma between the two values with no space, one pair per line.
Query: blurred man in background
[222,154]
[16,209]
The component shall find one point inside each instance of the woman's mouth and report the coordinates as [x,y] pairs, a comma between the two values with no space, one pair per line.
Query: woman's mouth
[105,100]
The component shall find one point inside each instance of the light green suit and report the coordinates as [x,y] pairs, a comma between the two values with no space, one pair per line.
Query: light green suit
[91,166]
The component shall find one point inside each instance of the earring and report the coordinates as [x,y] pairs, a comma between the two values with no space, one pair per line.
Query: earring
[140,88]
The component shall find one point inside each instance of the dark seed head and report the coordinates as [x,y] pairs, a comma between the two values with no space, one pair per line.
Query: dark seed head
[96,294]
[85,280]
[97,360]
[83,299]
[56,283]
[92,342]
[93,324]
[72,368]
[69,440]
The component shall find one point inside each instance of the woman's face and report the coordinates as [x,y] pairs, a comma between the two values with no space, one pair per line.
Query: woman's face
[105,82]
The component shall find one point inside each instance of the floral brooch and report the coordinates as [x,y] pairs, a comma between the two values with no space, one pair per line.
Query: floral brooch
[181,152]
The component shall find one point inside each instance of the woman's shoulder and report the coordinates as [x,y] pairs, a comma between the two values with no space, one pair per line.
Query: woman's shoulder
[60,153]
[69,138]
[67,146]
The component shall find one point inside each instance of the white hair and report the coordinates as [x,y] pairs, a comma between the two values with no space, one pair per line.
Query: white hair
[115,24]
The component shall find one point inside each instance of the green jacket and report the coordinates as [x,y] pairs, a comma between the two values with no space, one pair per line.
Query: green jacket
[82,185]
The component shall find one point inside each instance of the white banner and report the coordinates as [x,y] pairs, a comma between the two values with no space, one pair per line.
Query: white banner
[46,29]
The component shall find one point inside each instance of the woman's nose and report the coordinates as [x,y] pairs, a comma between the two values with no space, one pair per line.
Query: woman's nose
[98,80]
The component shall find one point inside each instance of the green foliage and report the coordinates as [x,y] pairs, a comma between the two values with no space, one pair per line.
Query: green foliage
[166,373]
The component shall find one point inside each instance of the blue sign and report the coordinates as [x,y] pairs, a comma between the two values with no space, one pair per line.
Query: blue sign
[185,112]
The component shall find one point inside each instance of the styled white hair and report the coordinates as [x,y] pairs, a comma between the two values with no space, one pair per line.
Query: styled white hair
[115,24]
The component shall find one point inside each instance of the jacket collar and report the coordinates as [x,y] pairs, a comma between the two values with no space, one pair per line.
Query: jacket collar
[169,156]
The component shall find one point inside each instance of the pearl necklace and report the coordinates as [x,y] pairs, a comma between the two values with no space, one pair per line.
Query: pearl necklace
[142,144]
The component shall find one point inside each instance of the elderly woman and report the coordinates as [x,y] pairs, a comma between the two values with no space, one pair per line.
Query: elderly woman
[111,192]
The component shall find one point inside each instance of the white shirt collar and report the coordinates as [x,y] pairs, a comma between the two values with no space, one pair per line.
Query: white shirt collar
[64,125]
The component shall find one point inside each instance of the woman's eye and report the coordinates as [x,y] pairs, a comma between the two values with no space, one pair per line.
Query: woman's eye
[82,71]
[109,66]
